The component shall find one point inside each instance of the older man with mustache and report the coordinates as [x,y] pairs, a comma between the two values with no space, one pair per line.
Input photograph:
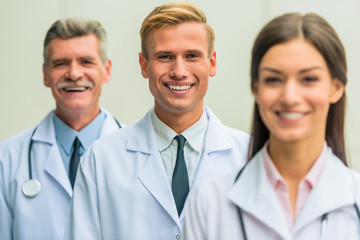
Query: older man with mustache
[38,166]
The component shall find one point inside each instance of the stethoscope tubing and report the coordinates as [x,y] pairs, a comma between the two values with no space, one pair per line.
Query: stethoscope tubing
[32,187]
[29,154]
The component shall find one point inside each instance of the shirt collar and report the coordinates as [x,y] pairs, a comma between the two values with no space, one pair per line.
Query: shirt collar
[65,135]
[194,134]
[311,178]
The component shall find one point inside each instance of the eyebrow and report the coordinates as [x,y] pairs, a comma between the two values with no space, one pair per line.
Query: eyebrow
[57,60]
[300,72]
[162,53]
[190,51]
[198,52]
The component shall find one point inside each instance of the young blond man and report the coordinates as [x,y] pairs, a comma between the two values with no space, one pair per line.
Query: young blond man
[133,184]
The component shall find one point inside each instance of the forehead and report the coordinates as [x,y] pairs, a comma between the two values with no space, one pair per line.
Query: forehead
[294,53]
[81,46]
[184,36]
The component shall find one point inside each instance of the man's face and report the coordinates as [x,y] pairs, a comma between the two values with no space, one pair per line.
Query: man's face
[75,74]
[178,68]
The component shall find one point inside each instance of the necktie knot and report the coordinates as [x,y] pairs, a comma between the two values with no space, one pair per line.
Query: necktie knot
[76,144]
[181,141]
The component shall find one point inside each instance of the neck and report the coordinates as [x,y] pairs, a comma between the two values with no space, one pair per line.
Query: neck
[76,119]
[294,159]
[179,121]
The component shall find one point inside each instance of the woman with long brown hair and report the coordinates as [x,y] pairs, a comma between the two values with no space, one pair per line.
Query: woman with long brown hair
[296,184]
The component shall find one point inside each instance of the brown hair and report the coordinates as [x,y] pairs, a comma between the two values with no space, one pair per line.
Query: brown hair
[172,14]
[323,37]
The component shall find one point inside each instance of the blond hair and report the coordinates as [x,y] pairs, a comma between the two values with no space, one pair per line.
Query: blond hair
[173,14]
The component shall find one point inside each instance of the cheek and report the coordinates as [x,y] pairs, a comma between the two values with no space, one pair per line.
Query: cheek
[264,99]
[321,104]
[202,69]
[320,99]
[156,70]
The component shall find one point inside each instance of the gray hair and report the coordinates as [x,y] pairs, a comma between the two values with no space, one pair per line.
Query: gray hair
[76,27]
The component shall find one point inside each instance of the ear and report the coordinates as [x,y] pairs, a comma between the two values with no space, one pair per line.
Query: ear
[255,91]
[213,64]
[337,90]
[45,77]
[107,69]
[143,65]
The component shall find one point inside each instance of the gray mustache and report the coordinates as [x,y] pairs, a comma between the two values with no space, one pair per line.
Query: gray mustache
[77,83]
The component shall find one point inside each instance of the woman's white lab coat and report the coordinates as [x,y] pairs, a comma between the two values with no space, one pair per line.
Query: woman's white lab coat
[44,216]
[211,212]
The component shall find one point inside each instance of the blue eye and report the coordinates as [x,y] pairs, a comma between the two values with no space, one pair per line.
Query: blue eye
[164,57]
[192,56]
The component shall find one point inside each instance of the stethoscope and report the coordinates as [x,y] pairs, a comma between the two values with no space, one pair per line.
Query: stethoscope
[324,217]
[32,187]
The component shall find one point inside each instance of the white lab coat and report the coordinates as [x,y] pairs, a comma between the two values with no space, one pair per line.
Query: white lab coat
[122,190]
[44,216]
[211,212]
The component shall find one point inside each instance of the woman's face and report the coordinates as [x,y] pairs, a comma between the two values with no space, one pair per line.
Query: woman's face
[294,91]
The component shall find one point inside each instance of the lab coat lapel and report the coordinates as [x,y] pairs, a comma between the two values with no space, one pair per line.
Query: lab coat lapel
[216,151]
[333,190]
[254,195]
[153,175]
[53,164]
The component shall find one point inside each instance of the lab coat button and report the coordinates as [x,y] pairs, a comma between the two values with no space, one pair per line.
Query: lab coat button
[177,237]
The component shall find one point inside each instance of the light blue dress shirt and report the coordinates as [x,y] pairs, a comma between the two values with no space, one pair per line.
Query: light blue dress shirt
[65,136]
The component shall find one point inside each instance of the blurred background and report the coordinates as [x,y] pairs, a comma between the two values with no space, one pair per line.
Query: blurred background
[24,100]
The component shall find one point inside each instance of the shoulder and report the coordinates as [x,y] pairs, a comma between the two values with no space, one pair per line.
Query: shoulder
[217,128]
[238,134]
[346,175]
[12,152]
[16,142]
[121,138]
[112,120]
[355,175]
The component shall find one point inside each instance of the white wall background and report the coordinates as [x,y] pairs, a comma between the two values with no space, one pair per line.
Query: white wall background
[24,100]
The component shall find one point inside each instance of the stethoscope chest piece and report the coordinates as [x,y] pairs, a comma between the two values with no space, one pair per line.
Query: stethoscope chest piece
[31,188]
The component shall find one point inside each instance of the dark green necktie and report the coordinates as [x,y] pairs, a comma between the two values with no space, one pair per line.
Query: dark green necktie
[74,162]
[180,180]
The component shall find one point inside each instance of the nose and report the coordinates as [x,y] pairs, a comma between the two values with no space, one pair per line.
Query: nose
[291,93]
[178,69]
[75,73]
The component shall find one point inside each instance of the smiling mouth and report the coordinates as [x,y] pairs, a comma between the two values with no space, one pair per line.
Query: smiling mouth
[75,89]
[76,86]
[179,88]
[291,115]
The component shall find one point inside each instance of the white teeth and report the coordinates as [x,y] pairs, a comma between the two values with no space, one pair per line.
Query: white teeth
[73,89]
[179,88]
[291,116]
